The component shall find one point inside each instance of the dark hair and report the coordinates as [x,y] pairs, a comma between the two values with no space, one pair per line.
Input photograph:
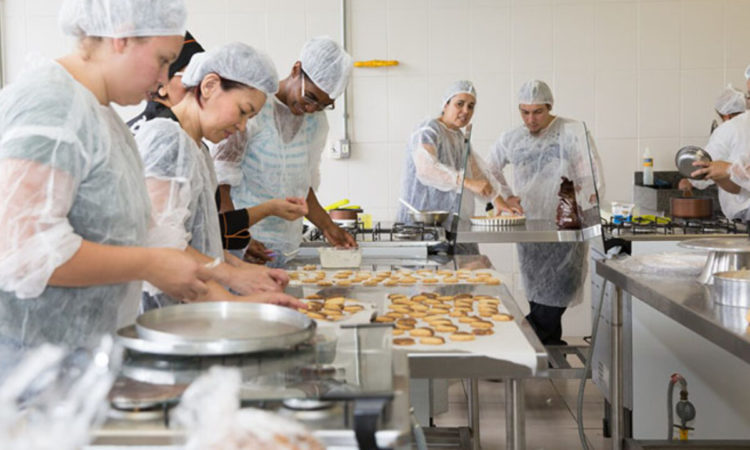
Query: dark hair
[226,85]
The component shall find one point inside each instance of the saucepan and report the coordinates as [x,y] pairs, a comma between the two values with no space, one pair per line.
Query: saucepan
[732,288]
[426,217]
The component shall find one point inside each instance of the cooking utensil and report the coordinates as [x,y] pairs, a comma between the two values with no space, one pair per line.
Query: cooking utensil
[226,326]
[691,207]
[337,204]
[685,158]
[725,254]
[408,205]
[732,288]
[344,213]
[430,217]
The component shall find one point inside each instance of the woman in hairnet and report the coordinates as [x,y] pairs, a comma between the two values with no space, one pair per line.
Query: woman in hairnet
[278,155]
[75,209]
[729,146]
[541,151]
[226,87]
[435,159]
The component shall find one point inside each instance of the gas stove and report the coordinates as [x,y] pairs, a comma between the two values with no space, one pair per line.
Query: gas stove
[386,232]
[652,227]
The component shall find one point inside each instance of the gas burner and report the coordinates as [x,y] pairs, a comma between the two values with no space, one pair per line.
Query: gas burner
[663,225]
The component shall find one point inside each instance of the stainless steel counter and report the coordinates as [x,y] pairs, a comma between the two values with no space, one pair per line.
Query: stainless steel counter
[532,231]
[670,237]
[687,302]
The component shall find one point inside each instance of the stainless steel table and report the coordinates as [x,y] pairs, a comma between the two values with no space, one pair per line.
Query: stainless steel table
[686,302]
[532,231]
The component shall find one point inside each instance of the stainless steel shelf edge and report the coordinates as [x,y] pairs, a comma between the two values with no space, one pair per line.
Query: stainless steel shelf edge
[532,231]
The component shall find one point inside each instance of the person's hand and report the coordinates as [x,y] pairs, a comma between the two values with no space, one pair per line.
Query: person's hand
[247,278]
[256,252]
[290,208]
[478,186]
[337,237]
[686,187]
[714,170]
[514,203]
[502,206]
[279,276]
[275,298]
[176,274]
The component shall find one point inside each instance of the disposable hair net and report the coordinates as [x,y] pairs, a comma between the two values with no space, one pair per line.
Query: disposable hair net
[52,398]
[210,414]
[277,156]
[535,92]
[552,273]
[327,64]
[190,46]
[69,171]
[123,18]
[730,101]
[434,169]
[182,186]
[236,62]
[458,87]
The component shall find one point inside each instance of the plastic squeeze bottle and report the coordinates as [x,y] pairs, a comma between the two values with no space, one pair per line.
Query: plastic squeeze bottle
[648,168]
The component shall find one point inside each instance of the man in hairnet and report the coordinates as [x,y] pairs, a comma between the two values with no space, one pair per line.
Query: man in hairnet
[278,155]
[728,144]
[541,151]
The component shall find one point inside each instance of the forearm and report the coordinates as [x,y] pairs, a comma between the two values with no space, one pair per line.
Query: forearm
[729,186]
[225,198]
[95,264]
[315,213]
[258,213]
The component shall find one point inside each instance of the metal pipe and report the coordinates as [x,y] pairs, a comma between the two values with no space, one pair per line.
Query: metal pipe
[515,420]
[616,374]
[474,413]
[345,45]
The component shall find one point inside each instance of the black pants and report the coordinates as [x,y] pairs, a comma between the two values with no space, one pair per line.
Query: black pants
[547,323]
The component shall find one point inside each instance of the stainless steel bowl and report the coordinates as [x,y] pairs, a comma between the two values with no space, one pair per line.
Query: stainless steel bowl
[732,288]
[430,217]
[685,158]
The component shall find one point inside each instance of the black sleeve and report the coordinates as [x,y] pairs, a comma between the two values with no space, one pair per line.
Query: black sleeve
[234,229]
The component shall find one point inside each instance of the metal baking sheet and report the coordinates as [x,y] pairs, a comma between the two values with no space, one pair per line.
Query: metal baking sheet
[740,244]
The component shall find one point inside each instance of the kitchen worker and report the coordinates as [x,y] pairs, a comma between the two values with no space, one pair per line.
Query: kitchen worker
[226,87]
[278,154]
[75,211]
[435,155]
[729,143]
[541,151]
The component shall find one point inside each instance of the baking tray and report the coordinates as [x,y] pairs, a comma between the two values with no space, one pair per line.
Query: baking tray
[498,221]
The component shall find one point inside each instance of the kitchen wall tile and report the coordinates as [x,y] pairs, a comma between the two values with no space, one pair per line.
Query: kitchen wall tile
[396,167]
[659,41]
[620,161]
[194,6]
[736,13]
[210,29]
[702,34]
[286,34]
[531,38]
[323,23]
[365,186]
[366,5]
[492,115]
[699,90]
[574,37]
[249,28]
[14,30]
[407,4]
[659,103]
[323,5]
[369,113]
[17,9]
[448,55]
[408,42]
[490,3]
[243,6]
[663,151]
[490,39]
[615,26]
[369,39]
[736,77]
[408,105]
[334,181]
[615,104]
[293,6]
[449,4]
[42,44]
[574,96]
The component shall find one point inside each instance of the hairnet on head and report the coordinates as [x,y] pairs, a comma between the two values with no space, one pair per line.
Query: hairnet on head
[730,101]
[327,65]
[123,18]
[189,48]
[459,87]
[535,92]
[237,62]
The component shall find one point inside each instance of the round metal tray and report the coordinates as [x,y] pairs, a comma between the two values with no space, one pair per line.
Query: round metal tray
[727,245]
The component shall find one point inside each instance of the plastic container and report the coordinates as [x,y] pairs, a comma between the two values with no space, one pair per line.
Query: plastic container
[622,212]
[648,168]
[336,258]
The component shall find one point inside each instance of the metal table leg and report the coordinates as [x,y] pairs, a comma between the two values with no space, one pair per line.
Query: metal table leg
[616,392]
[515,418]
[474,412]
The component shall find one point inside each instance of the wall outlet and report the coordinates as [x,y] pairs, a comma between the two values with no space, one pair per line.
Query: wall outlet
[340,149]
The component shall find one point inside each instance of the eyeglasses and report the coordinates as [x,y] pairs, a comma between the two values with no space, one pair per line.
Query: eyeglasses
[309,99]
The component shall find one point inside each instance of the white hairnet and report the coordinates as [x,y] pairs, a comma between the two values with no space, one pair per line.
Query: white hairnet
[535,92]
[459,87]
[237,62]
[730,101]
[327,65]
[747,72]
[123,18]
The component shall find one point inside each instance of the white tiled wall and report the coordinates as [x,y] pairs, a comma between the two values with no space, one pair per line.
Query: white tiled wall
[639,72]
